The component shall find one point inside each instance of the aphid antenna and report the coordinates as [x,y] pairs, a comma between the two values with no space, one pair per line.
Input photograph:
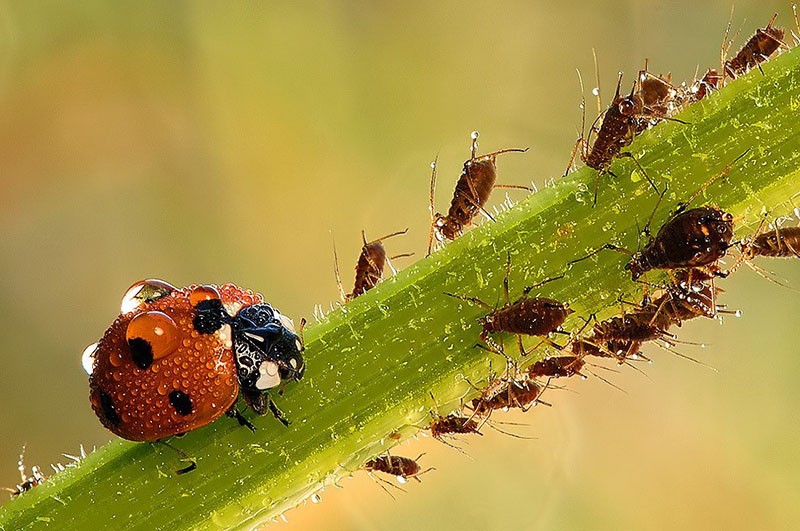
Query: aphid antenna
[579,144]
[382,238]
[183,457]
[473,300]
[342,295]
[722,173]
[725,46]
[597,81]
[431,207]
[606,380]
[686,357]
[641,169]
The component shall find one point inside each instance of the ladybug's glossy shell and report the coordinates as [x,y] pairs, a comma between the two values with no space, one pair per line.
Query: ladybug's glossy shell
[154,376]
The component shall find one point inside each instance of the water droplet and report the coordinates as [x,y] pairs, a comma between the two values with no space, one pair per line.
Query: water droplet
[596,91]
[158,331]
[402,480]
[145,291]
[88,358]
[203,293]
[474,135]
[316,498]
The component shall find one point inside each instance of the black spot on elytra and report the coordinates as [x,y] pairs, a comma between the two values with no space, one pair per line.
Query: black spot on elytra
[209,316]
[141,352]
[109,410]
[181,402]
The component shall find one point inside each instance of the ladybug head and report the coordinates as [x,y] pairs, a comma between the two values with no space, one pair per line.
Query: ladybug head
[267,348]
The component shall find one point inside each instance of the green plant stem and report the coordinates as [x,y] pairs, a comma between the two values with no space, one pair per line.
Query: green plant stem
[373,364]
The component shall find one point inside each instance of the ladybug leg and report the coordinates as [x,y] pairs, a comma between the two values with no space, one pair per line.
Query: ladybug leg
[235,414]
[277,413]
[183,455]
[261,403]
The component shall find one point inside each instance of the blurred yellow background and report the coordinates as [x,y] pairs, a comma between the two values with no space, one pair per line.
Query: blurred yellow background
[211,142]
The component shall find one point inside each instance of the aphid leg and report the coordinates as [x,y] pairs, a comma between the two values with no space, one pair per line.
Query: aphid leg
[234,413]
[578,145]
[641,169]
[416,476]
[528,289]
[722,173]
[183,457]
[606,247]
[380,481]
[473,300]
[796,31]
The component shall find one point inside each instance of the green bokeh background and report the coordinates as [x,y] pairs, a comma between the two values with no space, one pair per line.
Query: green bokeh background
[211,142]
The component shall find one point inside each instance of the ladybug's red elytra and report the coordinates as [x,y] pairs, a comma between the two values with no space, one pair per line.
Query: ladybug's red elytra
[178,358]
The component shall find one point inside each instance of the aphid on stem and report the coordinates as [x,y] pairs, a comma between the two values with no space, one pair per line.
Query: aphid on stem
[617,127]
[690,238]
[26,482]
[370,265]
[758,49]
[402,468]
[531,316]
[472,191]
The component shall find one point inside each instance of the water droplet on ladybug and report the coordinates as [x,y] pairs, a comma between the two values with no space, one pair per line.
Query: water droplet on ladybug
[88,357]
[151,336]
[203,293]
[145,291]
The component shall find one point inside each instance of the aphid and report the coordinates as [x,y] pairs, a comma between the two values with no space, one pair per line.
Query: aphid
[370,265]
[472,191]
[177,359]
[658,97]
[557,367]
[691,295]
[618,126]
[403,468]
[507,393]
[26,482]
[781,242]
[531,316]
[758,49]
[452,424]
[690,238]
[711,81]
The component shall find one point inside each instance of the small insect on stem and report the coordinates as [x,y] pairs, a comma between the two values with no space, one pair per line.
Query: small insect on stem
[690,238]
[530,316]
[758,49]
[402,468]
[26,482]
[512,391]
[370,265]
[473,189]
[614,130]
[658,98]
[776,242]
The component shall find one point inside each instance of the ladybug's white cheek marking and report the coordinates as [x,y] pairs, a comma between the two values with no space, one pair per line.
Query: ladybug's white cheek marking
[285,321]
[232,307]
[269,376]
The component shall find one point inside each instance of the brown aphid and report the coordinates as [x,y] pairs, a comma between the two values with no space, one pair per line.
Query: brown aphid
[452,424]
[698,237]
[507,393]
[658,98]
[370,265]
[474,186]
[529,316]
[758,49]
[711,81]
[779,243]
[557,367]
[26,482]
[403,468]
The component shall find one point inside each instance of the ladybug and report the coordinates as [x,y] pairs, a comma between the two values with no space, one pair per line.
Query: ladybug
[177,359]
